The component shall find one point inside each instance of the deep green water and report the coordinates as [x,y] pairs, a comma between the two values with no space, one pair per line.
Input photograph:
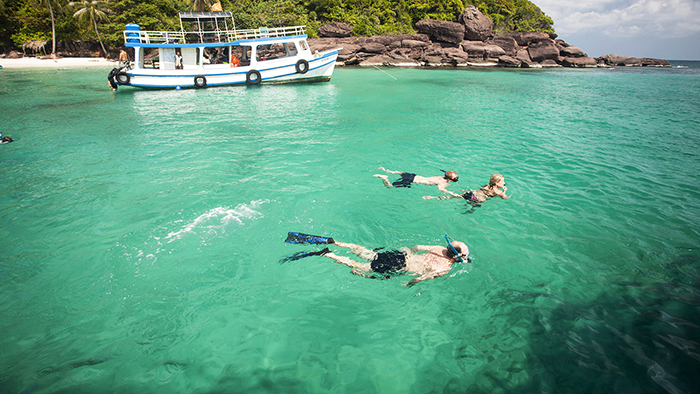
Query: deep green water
[140,234]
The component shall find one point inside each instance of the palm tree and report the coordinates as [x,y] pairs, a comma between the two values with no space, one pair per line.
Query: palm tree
[93,11]
[51,4]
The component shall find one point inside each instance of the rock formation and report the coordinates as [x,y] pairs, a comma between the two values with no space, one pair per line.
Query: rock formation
[470,42]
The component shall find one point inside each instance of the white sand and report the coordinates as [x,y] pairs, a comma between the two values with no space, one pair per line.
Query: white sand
[31,62]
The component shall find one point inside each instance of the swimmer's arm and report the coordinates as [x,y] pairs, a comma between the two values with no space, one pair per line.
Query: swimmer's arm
[442,197]
[444,190]
[420,248]
[502,193]
[425,277]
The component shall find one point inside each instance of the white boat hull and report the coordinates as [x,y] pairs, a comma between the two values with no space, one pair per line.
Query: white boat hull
[320,69]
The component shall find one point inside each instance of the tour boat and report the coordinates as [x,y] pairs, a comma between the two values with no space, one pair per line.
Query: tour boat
[211,54]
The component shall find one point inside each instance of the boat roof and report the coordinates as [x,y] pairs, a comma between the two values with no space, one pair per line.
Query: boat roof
[204,16]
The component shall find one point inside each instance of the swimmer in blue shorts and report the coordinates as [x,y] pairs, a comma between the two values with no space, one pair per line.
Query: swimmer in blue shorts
[408,178]
[436,261]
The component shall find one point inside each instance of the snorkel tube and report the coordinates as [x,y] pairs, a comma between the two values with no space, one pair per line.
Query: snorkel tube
[452,248]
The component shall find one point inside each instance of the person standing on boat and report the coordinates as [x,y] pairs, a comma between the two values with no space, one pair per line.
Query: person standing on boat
[123,58]
[408,178]
[178,60]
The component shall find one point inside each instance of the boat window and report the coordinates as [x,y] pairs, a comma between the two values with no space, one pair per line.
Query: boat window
[149,58]
[303,46]
[271,51]
[291,49]
[216,55]
[242,53]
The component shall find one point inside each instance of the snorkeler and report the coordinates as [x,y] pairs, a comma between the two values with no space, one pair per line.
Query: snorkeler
[408,178]
[436,262]
[496,187]
[5,139]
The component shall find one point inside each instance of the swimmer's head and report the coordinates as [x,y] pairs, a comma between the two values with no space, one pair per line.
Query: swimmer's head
[461,248]
[496,179]
[451,176]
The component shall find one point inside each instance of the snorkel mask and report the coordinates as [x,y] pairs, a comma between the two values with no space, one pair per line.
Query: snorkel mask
[455,179]
[452,248]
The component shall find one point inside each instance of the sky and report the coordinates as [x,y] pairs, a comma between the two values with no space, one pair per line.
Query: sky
[662,29]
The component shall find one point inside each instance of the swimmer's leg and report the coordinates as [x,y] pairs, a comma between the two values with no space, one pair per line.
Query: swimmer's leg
[390,171]
[385,179]
[359,250]
[356,267]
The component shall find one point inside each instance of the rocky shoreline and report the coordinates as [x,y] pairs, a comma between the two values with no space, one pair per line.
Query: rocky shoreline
[467,43]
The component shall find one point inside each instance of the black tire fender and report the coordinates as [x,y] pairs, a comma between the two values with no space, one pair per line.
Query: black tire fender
[122,78]
[253,77]
[302,66]
[200,81]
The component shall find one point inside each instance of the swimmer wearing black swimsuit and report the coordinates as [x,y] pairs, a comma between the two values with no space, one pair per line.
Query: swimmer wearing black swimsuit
[388,263]
[405,181]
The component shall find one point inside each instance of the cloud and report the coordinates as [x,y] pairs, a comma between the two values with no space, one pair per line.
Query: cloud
[626,18]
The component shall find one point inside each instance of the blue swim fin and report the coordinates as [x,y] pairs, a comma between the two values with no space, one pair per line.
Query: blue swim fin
[301,255]
[300,238]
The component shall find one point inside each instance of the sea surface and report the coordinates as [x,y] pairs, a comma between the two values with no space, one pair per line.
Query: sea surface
[141,233]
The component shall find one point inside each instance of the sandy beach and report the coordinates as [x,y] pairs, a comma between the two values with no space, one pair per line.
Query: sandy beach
[31,62]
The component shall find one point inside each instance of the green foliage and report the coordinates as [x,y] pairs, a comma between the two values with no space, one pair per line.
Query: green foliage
[34,24]
[514,15]
[21,20]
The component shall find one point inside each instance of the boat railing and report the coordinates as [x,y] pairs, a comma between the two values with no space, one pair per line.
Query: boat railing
[213,36]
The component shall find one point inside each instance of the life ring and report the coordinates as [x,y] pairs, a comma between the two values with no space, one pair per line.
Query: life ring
[200,81]
[253,77]
[302,66]
[123,78]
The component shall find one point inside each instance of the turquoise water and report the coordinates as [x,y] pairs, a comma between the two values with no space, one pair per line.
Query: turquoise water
[142,231]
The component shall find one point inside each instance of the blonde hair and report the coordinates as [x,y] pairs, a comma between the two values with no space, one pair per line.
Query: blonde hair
[495,178]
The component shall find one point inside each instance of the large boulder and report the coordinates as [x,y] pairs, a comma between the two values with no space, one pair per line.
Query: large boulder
[410,43]
[475,49]
[526,39]
[650,62]
[523,55]
[579,62]
[543,50]
[571,51]
[450,32]
[614,60]
[507,61]
[373,47]
[508,43]
[477,26]
[335,29]
[482,50]
[494,51]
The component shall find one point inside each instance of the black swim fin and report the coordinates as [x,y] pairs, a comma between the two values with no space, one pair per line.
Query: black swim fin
[300,238]
[301,255]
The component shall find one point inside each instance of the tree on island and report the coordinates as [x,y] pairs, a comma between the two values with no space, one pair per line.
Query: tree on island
[51,3]
[93,11]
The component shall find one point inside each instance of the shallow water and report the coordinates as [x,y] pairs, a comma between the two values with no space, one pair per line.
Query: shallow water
[142,232]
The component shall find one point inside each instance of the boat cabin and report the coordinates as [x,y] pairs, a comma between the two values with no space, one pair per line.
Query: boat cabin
[210,40]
